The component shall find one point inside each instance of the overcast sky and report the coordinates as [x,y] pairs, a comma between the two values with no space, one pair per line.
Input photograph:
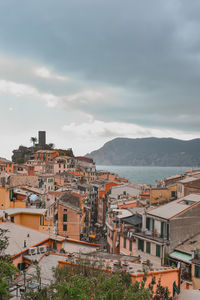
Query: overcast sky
[87,71]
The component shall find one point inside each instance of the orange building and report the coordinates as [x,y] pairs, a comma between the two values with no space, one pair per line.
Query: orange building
[104,189]
[68,215]
[6,166]
[5,197]
[46,155]
[29,217]
[127,204]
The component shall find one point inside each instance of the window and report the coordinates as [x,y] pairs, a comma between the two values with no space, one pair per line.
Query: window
[153,223]
[140,245]
[124,242]
[64,218]
[148,247]
[197,271]
[173,194]
[157,250]
[64,227]
[148,223]
[130,245]
[168,232]
[162,230]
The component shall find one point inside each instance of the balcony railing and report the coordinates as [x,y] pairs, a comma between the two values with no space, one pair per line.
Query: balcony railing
[149,234]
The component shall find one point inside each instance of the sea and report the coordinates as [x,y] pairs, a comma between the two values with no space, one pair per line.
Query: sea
[142,174]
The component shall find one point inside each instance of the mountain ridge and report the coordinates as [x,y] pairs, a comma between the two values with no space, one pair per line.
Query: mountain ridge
[149,151]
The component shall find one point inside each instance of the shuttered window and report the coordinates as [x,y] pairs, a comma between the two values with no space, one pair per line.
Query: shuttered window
[157,250]
[197,272]
[64,218]
[148,247]
[148,223]
[130,245]
[64,227]
[124,242]
[140,245]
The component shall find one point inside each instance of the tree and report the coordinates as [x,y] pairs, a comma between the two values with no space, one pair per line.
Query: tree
[51,146]
[33,140]
[7,269]
[84,281]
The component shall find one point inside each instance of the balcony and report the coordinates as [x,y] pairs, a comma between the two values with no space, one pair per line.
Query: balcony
[150,235]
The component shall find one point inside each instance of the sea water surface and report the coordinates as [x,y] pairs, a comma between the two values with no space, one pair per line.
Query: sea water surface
[144,174]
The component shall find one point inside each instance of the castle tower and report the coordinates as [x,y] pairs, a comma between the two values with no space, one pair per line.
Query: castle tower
[42,138]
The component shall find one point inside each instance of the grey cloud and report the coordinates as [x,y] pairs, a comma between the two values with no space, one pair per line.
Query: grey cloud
[151,50]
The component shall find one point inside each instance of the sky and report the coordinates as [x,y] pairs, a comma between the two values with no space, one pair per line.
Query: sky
[88,71]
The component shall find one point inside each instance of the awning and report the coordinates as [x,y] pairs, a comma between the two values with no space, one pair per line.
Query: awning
[133,220]
[92,236]
[180,256]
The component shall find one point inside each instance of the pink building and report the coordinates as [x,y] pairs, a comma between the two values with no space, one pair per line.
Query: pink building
[63,164]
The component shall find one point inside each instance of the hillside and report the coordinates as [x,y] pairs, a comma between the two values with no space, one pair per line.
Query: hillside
[148,152]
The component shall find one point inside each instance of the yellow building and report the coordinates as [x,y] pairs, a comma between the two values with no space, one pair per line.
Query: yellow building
[29,217]
[5,196]
[161,195]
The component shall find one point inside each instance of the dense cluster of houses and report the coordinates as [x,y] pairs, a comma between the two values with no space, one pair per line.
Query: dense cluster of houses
[63,206]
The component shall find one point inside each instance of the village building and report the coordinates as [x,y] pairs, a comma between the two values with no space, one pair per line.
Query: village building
[187,186]
[46,155]
[162,229]
[63,163]
[29,217]
[159,195]
[69,215]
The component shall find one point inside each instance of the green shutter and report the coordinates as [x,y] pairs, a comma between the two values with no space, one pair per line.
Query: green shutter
[64,218]
[168,232]
[148,247]
[124,242]
[162,230]
[157,250]
[197,271]
[140,245]
[153,221]
[130,245]
[64,227]
[148,223]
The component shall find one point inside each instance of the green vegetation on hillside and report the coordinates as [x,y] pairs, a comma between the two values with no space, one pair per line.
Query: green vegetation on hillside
[148,152]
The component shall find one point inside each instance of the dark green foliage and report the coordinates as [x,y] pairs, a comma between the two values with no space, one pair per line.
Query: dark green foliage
[20,161]
[83,282]
[7,269]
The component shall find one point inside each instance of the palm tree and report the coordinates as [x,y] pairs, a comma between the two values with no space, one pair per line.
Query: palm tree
[33,140]
[51,145]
